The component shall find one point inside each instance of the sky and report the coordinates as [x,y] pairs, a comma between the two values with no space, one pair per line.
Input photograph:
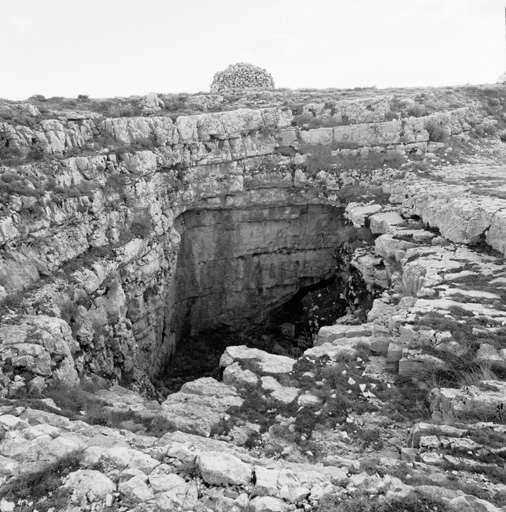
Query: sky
[108,48]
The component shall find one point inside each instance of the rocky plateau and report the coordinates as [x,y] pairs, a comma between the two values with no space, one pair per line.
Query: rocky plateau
[131,227]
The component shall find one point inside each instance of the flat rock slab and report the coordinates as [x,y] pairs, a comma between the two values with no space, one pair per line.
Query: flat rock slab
[266,363]
[384,222]
[200,405]
[330,333]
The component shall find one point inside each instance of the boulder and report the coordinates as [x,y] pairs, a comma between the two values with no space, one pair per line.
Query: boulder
[266,480]
[217,468]
[136,489]
[86,481]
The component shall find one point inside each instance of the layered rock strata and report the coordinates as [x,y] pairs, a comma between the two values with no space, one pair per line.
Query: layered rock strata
[100,246]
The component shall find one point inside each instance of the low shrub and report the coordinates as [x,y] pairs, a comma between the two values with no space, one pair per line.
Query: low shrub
[416,110]
[37,97]
[437,132]
[42,490]
[80,403]
[319,157]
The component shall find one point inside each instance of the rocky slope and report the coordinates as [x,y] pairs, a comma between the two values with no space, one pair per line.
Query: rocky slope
[119,235]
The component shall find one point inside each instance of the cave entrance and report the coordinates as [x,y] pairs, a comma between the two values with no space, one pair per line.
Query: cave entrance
[244,272]
[287,330]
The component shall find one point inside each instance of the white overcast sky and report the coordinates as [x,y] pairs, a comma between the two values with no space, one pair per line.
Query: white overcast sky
[107,48]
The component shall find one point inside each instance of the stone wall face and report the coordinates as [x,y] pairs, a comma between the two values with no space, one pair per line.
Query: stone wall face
[236,265]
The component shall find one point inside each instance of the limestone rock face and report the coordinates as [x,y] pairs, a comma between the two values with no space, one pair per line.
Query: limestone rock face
[41,346]
[243,246]
[242,76]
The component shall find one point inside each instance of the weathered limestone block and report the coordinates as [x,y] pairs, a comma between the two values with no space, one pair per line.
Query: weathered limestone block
[266,480]
[56,137]
[141,162]
[369,134]
[496,235]
[267,363]
[268,504]
[488,403]
[319,136]
[285,395]
[381,223]
[7,230]
[338,348]
[86,481]
[200,405]
[371,267]
[390,247]
[357,213]
[131,130]
[489,355]
[123,457]
[219,468]
[136,489]
[234,375]
[41,345]
[168,483]
[330,333]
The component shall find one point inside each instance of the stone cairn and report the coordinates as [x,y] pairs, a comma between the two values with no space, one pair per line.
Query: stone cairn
[242,76]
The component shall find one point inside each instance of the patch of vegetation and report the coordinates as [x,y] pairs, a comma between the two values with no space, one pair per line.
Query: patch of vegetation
[42,490]
[405,400]
[451,480]
[326,157]
[494,472]
[318,157]
[414,502]
[416,110]
[437,131]
[80,403]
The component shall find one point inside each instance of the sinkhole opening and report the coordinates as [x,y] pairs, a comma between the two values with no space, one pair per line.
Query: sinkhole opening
[265,277]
